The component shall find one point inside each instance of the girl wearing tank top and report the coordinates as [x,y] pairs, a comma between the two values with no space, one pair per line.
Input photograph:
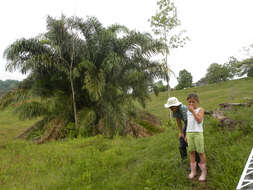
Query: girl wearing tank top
[194,136]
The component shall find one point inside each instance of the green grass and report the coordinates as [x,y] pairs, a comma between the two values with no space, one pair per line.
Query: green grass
[11,126]
[210,96]
[126,163]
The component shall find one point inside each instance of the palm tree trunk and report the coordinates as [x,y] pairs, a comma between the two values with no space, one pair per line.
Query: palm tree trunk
[73,99]
[72,85]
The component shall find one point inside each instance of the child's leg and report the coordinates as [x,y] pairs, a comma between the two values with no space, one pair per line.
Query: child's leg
[193,165]
[202,155]
[192,157]
[191,148]
[202,166]
[202,158]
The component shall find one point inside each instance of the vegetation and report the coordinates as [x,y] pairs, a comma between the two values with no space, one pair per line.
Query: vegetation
[83,76]
[210,95]
[159,87]
[164,24]
[220,72]
[184,80]
[246,67]
[129,163]
[217,73]
[86,80]
[7,85]
[201,82]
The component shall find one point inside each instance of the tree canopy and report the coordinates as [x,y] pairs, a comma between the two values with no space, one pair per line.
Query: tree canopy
[246,67]
[184,79]
[217,72]
[79,64]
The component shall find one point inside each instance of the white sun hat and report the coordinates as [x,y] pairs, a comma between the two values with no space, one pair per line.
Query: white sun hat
[172,101]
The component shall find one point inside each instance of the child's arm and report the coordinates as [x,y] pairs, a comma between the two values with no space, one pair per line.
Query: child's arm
[199,116]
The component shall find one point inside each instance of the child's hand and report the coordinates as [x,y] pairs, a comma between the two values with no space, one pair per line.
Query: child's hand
[185,139]
[190,108]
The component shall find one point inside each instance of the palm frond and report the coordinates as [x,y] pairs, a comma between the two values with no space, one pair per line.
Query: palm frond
[23,54]
[30,110]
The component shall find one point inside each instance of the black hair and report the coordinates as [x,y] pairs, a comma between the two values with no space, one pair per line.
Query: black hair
[194,96]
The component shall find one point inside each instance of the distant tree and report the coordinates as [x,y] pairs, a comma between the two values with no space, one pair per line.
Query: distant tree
[164,23]
[217,72]
[246,67]
[232,67]
[159,87]
[184,79]
[250,72]
[202,81]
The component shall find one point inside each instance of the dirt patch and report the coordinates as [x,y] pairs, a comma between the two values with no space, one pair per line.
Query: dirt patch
[136,130]
[145,124]
[54,131]
[225,121]
[151,119]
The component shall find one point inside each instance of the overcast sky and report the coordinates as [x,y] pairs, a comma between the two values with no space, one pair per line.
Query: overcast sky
[217,29]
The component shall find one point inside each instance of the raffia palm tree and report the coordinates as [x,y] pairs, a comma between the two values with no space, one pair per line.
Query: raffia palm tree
[80,65]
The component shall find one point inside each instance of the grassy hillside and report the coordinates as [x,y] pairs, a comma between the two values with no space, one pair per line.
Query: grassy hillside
[210,96]
[7,85]
[11,126]
[150,163]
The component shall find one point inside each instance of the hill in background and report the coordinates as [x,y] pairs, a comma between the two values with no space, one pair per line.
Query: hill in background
[211,96]
[7,85]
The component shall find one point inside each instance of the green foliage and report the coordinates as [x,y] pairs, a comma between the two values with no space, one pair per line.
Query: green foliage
[149,127]
[87,118]
[217,73]
[80,64]
[7,85]
[11,126]
[202,81]
[31,110]
[127,163]
[184,80]
[165,21]
[250,72]
[159,87]
[71,130]
[163,24]
[246,67]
